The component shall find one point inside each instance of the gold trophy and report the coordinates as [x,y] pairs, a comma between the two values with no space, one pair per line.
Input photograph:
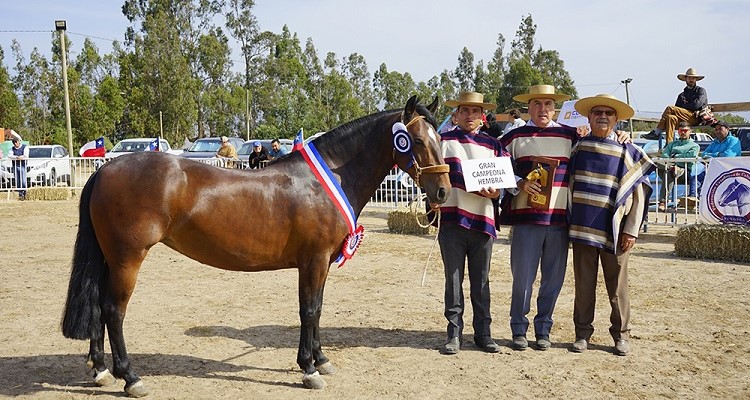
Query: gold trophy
[543,172]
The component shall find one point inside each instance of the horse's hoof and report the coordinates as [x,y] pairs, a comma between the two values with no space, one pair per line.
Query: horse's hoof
[104,378]
[313,381]
[326,368]
[138,389]
[89,362]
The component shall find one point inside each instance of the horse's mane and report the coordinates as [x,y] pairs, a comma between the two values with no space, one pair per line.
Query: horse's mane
[358,127]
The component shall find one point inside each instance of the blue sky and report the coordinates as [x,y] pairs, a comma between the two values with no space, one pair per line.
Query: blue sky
[601,43]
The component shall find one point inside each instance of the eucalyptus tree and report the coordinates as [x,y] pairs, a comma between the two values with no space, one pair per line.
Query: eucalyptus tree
[162,88]
[10,106]
[33,83]
[465,72]
[392,87]
[356,71]
[255,47]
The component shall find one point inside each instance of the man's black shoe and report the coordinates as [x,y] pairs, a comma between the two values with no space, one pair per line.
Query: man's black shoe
[487,345]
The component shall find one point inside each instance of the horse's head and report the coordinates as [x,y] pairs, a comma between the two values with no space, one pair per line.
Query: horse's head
[424,163]
[736,191]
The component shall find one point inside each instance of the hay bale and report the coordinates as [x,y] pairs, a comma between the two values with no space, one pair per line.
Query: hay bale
[714,242]
[48,193]
[405,223]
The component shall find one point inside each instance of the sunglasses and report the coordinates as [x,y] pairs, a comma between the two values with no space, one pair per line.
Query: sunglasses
[608,113]
[684,130]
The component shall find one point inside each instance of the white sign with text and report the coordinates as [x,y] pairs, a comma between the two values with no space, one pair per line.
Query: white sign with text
[488,173]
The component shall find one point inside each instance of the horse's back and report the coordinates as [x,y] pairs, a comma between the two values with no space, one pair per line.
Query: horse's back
[232,219]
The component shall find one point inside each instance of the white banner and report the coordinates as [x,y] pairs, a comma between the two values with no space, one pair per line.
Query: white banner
[488,173]
[569,116]
[725,195]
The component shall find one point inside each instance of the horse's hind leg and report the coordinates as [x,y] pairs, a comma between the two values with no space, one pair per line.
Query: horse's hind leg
[95,361]
[122,282]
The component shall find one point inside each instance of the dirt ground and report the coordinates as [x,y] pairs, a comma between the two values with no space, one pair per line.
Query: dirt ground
[195,332]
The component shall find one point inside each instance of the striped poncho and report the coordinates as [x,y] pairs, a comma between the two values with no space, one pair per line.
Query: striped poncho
[555,141]
[468,210]
[604,175]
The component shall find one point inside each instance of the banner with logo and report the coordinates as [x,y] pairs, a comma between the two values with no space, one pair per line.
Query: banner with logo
[725,195]
[570,117]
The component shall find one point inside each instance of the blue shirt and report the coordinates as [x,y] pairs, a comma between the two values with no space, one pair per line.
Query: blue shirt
[729,147]
[276,154]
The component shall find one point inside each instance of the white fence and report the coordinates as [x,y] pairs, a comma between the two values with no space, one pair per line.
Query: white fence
[677,206]
[396,190]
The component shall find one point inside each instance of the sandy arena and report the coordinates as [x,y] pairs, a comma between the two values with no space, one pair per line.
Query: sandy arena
[195,332]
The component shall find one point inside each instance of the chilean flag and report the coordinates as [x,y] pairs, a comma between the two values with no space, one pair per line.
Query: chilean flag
[154,145]
[94,148]
[299,141]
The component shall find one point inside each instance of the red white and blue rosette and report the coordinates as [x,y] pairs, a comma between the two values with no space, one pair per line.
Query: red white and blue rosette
[351,244]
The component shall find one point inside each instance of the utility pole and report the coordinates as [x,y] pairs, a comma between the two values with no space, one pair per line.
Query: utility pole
[627,98]
[61,26]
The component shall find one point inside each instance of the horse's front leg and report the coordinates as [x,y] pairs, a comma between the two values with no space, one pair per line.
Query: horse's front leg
[309,355]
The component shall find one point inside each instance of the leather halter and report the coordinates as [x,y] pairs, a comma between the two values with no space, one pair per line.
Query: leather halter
[430,169]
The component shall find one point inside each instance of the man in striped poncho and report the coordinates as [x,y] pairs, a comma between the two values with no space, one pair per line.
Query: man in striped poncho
[467,228]
[609,192]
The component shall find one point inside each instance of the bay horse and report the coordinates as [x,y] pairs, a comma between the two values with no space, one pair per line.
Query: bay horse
[136,201]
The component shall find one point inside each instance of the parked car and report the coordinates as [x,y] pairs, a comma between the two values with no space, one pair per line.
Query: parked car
[207,147]
[6,174]
[127,146]
[247,148]
[651,146]
[742,133]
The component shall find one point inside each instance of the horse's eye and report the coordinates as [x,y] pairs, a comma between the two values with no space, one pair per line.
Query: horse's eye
[418,141]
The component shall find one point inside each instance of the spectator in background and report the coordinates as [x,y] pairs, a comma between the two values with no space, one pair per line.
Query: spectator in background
[692,99]
[491,127]
[515,121]
[19,154]
[276,150]
[227,152]
[450,125]
[723,145]
[683,147]
[258,156]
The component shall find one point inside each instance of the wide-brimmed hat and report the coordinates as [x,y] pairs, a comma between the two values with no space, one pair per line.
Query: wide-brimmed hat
[584,105]
[690,72]
[224,139]
[470,99]
[541,92]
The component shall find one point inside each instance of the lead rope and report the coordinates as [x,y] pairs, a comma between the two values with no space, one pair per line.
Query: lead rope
[435,217]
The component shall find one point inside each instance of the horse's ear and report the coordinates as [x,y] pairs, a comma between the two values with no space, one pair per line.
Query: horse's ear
[433,106]
[411,106]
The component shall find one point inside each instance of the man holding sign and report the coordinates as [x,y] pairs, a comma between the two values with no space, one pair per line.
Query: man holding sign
[467,220]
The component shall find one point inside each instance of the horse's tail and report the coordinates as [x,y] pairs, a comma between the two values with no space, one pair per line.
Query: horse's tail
[88,273]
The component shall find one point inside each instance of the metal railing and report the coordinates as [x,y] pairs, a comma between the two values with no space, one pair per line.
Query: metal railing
[676,185]
[396,191]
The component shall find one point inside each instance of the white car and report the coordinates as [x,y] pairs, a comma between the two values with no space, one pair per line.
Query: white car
[127,146]
[48,165]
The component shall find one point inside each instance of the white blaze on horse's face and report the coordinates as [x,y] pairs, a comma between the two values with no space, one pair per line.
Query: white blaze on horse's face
[433,134]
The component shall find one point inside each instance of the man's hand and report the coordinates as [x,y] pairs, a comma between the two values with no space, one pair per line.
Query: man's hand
[490,193]
[627,242]
[582,130]
[623,137]
[530,187]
